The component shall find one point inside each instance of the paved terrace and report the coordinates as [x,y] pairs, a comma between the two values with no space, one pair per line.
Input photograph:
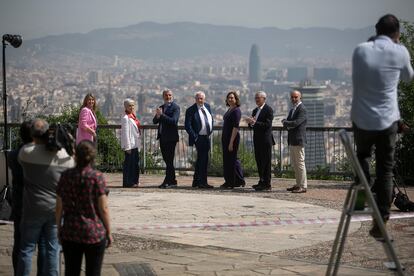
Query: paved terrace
[186,231]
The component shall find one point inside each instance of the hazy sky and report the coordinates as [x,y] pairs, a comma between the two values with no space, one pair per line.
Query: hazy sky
[36,18]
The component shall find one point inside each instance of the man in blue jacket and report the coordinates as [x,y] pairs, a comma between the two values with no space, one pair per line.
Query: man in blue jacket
[166,116]
[199,126]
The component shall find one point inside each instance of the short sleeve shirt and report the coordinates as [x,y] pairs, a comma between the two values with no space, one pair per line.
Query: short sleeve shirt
[80,190]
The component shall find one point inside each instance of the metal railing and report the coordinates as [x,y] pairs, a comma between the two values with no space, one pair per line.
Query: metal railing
[324,153]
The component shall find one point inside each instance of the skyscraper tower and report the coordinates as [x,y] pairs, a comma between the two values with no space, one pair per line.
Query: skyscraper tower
[254,65]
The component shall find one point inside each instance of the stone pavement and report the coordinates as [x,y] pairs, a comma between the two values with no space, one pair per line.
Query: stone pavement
[217,250]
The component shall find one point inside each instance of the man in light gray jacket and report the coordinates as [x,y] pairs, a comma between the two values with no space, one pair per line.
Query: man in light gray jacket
[41,172]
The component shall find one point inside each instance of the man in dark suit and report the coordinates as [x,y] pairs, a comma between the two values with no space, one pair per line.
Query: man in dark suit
[296,126]
[199,126]
[261,122]
[166,116]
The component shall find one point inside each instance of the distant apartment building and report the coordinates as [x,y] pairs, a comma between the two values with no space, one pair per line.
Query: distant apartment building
[297,74]
[327,73]
[255,74]
[95,77]
[275,87]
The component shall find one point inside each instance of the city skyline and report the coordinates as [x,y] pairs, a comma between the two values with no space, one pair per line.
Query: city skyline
[34,19]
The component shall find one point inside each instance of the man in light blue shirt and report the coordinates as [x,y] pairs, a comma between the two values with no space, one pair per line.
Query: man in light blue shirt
[377,67]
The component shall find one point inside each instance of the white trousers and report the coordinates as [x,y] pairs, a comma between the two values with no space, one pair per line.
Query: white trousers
[297,159]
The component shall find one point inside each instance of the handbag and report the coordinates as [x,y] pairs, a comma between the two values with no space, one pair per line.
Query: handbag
[402,201]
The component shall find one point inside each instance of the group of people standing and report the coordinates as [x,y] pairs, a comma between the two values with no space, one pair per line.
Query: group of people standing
[199,122]
[58,198]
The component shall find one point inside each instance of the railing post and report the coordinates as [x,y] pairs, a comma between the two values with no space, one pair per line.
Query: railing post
[280,151]
[144,154]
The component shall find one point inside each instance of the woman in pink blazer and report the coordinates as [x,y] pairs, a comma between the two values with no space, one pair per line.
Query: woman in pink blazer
[87,120]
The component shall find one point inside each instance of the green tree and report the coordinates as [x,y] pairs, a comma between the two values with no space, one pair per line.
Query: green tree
[405,146]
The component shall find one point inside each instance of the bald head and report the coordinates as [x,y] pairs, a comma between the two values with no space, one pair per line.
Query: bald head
[295,97]
[38,130]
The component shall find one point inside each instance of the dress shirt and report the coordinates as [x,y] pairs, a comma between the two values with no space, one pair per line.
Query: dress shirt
[258,112]
[291,112]
[294,107]
[377,67]
[203,130]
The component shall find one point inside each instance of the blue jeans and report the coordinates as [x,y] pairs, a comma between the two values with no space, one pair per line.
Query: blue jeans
[32,231]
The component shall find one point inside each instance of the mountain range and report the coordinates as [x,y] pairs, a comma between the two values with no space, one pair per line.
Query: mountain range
[185,40]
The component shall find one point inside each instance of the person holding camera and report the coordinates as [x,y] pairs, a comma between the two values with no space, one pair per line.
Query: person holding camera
[377,67]
[87,120]
[41,172]
[82,213]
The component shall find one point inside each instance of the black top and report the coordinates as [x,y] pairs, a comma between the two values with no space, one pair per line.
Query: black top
[231,119]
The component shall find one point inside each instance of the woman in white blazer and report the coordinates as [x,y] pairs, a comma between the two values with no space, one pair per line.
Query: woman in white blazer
[130,144]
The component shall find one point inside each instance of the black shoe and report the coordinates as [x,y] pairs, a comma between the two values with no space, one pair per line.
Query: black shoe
[241,184]
[226,186]
[299,190]
[375,232]
[167,186]
[163,186]
[259,184]
[263,188]
[205,186]
[292,188]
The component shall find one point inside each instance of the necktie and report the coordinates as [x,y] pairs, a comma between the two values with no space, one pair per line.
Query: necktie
[162,108]
[206,121]
[291,112]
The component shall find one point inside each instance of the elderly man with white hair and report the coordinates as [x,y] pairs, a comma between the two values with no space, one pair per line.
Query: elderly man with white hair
[261,123]
[199,126]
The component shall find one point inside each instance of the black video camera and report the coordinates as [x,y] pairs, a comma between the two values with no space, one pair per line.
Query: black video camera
[59,136]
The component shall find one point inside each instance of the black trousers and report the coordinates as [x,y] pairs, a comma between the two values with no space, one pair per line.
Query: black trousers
[263,156]
[130,170]
[168,152]
[73,253]
[384,143]
[232,170]
[203,148]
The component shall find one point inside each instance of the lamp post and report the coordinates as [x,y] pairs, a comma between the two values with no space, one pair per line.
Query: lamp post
[15,41]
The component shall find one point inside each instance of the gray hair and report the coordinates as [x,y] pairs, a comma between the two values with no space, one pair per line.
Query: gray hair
[166,91]
[199,93]
[128,101]
[261,94]
[38,128]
